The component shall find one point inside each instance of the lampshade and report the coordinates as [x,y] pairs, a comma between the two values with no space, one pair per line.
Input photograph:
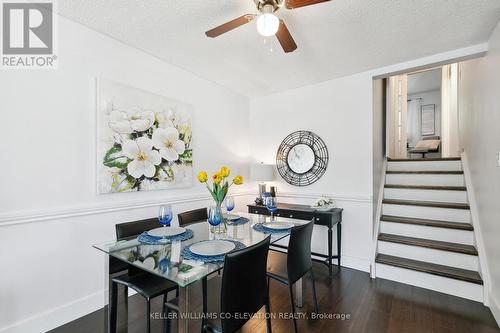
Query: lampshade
[262,172]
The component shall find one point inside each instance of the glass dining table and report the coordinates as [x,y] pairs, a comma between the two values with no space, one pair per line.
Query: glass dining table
[166,260]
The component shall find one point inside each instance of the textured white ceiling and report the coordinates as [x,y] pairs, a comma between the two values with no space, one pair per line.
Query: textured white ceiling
[334,39]
[424,81]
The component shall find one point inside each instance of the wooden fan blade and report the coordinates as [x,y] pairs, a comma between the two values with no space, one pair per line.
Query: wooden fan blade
[285,38]
[292,4]
[228,26]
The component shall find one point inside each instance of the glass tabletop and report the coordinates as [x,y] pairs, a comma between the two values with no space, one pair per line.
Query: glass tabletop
[166,260]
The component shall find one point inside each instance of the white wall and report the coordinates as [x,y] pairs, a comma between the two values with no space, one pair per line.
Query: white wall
[50,213]
[479,119]
[339,111]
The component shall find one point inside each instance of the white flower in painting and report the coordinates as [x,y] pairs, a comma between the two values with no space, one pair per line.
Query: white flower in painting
[144,158]
[167,141]
[163,121]
[141,120]
[185,130]
[119,122]
[134,120]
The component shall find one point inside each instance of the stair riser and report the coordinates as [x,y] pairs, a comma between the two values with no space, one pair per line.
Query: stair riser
[432,213]
[426,232]
[454,287]
[423,179]
[440,257]
[425,166]
[425,195]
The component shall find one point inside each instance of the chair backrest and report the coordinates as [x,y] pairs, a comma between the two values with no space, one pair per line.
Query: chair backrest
[192,216]
[299,259]
[244,285]
[135,228]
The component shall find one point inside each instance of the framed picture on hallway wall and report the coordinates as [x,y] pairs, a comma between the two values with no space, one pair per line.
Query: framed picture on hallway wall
[428,119]
[143,140]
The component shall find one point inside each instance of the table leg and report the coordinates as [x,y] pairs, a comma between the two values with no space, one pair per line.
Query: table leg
[183,320]
[330,238]
[299,302]
[339,241]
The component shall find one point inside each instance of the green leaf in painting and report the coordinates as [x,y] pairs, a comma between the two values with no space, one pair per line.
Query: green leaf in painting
[115,159]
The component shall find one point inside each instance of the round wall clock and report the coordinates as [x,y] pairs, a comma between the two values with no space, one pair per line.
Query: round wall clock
[302,158]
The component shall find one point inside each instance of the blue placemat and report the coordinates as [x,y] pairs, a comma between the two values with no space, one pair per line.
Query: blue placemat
[146,238]
[187,254]
[261,228]
[241,220]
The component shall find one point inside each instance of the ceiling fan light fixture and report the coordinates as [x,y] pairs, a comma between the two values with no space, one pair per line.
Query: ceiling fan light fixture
[267,22]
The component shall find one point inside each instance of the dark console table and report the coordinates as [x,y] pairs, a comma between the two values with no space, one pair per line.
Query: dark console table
[302,212]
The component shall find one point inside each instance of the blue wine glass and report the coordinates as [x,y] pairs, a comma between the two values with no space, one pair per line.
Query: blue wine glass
[165,216]
[214,215]
[229,204]
[271,205]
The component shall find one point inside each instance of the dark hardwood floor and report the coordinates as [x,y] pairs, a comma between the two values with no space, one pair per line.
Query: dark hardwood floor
[372,306]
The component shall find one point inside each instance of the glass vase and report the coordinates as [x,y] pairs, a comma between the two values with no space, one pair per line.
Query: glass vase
[218,223]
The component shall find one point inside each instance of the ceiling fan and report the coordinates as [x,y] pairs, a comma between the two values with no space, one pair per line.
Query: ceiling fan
[268,24]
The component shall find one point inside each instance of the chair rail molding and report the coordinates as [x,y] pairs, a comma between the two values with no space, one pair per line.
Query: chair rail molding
[334,196]
[483,260]
[376,220]
[99,208]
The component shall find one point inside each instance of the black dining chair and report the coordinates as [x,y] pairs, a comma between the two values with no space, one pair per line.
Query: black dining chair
[192,216]
[146,284]
[289,268]
[243,289]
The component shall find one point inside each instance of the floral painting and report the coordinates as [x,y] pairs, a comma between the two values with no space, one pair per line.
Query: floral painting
[144,140]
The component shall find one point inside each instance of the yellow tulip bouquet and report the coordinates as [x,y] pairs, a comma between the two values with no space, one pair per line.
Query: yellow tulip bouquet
[221,183]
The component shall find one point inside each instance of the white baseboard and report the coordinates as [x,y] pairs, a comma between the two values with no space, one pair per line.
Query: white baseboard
[360,264]
[58,316]
[495,308]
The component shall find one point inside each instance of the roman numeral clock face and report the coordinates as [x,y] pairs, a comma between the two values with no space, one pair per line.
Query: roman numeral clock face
[302,158]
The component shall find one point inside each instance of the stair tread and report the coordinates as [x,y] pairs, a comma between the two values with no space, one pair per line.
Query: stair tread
[427,187]
[437,204]
[426,172]
[428,243]
[424,159]
[435,269]
[427,222]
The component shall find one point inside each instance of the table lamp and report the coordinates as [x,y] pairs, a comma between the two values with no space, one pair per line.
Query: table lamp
[262,173]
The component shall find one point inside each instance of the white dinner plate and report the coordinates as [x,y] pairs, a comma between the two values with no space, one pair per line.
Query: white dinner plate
[278,225]
[166,231]
[212,247]
[232,217]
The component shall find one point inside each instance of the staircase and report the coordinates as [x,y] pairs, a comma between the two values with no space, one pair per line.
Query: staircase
[426,237]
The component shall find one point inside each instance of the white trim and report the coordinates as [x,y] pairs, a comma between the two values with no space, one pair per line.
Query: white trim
[495,308]
[57,316]
[470,52]
[353,198]
[378,214]
[98,208]
[483,262]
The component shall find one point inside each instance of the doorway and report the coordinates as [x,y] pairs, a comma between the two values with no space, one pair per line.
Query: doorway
[422,115]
